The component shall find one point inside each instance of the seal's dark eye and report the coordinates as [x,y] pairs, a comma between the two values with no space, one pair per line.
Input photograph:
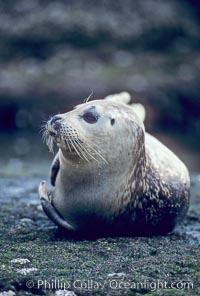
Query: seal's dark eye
[90,117]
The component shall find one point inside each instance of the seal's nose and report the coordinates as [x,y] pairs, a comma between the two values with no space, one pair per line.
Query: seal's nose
[55,118]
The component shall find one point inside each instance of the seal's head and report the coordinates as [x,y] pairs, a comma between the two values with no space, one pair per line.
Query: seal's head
[99,130]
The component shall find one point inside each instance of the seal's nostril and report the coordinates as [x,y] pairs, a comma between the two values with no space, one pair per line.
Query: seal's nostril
[55,118]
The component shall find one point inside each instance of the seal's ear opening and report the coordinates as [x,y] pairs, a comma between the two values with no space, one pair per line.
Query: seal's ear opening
[112,121]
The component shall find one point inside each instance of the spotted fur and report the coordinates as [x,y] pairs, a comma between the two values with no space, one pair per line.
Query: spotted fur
[115,179]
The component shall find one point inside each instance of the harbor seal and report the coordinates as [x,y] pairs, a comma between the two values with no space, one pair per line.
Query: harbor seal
[110,176]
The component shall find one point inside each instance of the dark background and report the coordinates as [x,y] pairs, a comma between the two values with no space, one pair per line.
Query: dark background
[54,53]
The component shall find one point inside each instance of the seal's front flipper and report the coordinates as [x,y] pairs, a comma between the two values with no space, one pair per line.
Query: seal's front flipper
[44,191]
[50,211]
[54,216]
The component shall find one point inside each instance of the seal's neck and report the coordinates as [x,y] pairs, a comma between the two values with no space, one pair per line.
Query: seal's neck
[75,164]
[139,167]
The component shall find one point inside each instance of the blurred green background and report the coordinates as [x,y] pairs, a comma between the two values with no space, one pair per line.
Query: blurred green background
[54,53]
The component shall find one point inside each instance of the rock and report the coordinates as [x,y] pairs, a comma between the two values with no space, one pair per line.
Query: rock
[64,293]
[20,261]
[26,271]
[117,275]
[25,225]
[9,293]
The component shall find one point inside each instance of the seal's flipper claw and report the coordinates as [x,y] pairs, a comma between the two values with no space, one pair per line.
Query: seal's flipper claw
[54,216]
[44,191]
[50,211]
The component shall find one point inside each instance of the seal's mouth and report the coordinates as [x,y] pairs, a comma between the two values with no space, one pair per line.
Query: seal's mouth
[52,134]
[55,134]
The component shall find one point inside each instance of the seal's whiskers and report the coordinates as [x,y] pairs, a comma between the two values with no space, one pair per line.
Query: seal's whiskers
[50,142]
[96,152]
[80,149]
[75,148]
[99,149]
[44,136]
[68,145]
[48,139]
[84,148]
[88,98]
[43,128]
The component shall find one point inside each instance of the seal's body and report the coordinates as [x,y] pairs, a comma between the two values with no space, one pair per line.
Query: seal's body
[110,176]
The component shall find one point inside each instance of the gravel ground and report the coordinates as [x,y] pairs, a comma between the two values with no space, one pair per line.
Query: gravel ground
[36,260]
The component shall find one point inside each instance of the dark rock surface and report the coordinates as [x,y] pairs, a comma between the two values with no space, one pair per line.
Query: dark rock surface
[32,250]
